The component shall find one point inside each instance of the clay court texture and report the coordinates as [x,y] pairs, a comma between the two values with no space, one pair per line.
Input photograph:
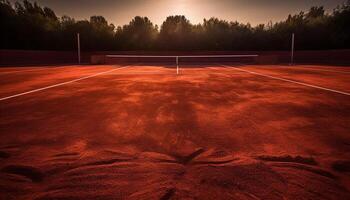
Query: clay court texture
[142,131]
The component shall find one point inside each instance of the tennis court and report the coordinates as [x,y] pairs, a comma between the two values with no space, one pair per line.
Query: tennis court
[175,129]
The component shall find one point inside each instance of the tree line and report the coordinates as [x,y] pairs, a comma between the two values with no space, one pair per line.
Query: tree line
[27,25]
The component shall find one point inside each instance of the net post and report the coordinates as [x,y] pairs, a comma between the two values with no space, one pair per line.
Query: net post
[177,64]
[78,40]
[292,51]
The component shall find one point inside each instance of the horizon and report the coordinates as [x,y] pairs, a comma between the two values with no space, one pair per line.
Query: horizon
[253,12]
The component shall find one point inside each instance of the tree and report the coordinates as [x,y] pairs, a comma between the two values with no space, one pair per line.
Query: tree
[140,34]
[8,24]
[175,33]
[27,25]
[217,34]
[315,12]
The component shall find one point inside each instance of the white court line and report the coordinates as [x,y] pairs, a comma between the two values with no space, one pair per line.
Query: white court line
[318,69]
[60,84]
[288,80]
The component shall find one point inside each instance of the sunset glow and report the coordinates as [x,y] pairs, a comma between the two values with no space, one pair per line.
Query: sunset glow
[120,12]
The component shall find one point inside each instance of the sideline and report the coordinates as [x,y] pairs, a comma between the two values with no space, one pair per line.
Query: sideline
[288,80]
[59,84]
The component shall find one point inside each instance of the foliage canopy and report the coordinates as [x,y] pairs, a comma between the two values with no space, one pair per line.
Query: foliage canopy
[27,25]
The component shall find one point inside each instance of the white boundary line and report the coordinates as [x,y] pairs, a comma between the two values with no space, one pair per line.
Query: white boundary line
[318,69]
[288,80]
[59,84]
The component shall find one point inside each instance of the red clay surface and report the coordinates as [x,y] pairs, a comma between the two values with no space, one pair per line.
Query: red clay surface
[143,132]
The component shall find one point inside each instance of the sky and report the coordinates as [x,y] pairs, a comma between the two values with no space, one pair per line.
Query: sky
[120,12]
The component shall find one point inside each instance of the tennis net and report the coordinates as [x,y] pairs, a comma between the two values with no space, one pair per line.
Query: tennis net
[172,60]
[180,60]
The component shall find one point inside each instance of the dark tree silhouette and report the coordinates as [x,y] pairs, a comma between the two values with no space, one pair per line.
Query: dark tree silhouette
[27,25]
[175,33]
[139,34]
